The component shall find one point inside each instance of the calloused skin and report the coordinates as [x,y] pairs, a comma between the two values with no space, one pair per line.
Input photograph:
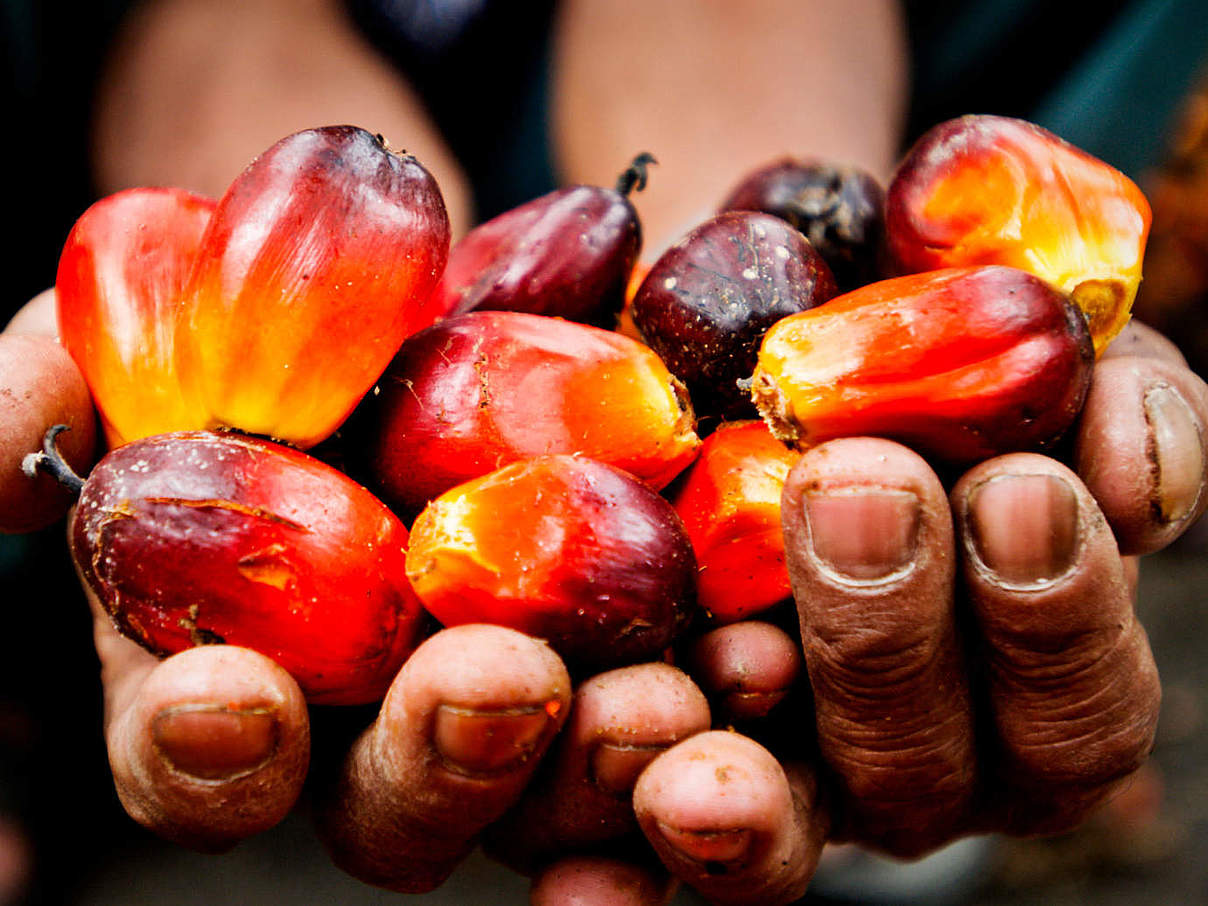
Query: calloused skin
[612,792]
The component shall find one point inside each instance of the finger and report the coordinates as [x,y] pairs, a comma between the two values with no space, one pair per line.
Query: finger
[458,737]
[1140,449]
[869,545]
[599,881]
[37,316]
[1072,686]
[745,669]
[207,747]
[727,819]
[620,720]
[1137,339]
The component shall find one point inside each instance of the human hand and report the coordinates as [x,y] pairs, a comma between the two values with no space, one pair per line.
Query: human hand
[213,745]
[973,654]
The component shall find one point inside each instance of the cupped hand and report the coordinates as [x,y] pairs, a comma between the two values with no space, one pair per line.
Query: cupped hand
[972,652]
[972,658]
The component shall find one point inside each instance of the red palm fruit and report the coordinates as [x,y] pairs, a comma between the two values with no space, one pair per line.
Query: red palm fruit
[729,500]
[995,190]
[315,266]
[121,276]
[561,547]
[707,301]
[840,209]
[486,388]
[200,537]
[568,253]
[961,364]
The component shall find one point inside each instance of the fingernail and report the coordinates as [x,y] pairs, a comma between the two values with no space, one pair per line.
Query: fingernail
[615,766]
[716,849]
[1178,452]
[487,742]
[1024,527]
[863,534]
[213,742]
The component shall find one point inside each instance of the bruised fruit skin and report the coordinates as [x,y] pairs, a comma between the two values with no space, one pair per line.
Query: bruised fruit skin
[121,276]
[569,254]
[961,364]
[729,500]
[40,386]
[314,268]
[840,210]
[707,301]
[995,190]
[483,389]
[561,547]
[199,537]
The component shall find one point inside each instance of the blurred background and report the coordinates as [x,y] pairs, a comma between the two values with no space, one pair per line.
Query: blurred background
[1127,81]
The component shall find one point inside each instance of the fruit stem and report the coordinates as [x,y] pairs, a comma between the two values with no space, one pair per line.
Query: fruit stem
[634,176]
[51,461]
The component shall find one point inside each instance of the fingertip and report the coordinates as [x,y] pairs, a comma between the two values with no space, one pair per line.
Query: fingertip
[745,669]
[459,735]
[1140,449]
[216,725]
[620,721]
[721,813]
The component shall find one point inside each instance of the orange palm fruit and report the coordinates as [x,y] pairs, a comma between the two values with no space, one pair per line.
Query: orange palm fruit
[482,389]
[729,500]
[961,364]
[565,548]
[121,276]
[316,265]
[996,190]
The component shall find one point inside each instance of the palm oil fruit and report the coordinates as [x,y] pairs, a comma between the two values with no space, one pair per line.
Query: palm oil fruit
[568,253]
[995,190]
[840,209]
[203,537]
[486,388]
[707,301]
[729,500]
[121,276]
[961,364]
[565,548]
[317,263]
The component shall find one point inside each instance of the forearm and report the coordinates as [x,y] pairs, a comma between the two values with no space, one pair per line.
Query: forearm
[196,88]
[714,88]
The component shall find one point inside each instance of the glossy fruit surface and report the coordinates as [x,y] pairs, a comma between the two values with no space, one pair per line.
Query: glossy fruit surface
[568,253]
[995,190]
[961,364]
[121,276]
[199,537]
[483,389]
[840,210]
[707,301]
[729,500]
[316,265]
[562,547]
